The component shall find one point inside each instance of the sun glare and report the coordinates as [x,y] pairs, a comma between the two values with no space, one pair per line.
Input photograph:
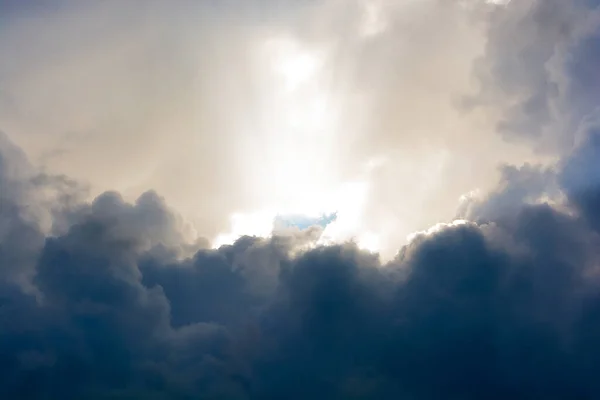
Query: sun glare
[288,60]
[369,242]
[297,146]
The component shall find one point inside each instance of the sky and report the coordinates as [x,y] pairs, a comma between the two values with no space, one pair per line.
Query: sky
[328,199]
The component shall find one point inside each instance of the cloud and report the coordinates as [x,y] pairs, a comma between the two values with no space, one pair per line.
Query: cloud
[120,312]
[528,184]
[581,179]
[534,64]
[110,295]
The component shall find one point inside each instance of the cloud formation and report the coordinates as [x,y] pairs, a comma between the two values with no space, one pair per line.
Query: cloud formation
[109,295]
[503,309]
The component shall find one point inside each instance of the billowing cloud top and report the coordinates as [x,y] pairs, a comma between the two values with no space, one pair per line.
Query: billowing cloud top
[138,134]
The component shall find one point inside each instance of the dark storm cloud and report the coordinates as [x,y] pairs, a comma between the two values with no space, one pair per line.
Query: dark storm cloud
[501,310]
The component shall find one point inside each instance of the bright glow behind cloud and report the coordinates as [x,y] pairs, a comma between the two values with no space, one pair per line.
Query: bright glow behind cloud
[292,63]
[298,139]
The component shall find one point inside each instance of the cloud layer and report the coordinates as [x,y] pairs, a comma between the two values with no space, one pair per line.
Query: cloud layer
[112,295]
[500,309]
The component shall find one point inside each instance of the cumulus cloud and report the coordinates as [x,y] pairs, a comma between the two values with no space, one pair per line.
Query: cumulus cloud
[461,312]
[111,293]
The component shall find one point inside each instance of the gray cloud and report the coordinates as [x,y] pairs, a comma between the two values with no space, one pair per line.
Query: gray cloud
[117,312]
[532,69]
[527,184]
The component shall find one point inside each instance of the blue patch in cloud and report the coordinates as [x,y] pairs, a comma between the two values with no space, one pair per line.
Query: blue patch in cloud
[303,221]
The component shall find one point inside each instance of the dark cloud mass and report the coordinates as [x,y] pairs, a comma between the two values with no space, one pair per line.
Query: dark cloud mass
[507,309]
[110,300]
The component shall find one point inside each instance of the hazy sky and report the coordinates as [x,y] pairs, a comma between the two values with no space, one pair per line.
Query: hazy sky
[241,107]
[325,199]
